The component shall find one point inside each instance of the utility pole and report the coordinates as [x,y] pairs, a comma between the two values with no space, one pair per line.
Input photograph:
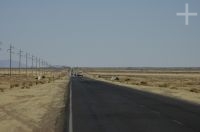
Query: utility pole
[36,60]
[45,66]
[32,58]
[20,56]
[39,66]
[43,63]
[27,63]
[10,52]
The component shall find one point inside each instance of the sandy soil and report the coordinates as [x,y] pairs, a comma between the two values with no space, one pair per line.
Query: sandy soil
[32,109]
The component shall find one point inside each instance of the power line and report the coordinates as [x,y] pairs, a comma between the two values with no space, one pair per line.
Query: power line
[27,55]
[20,55]
[32,59]
[10,52]
[39,65]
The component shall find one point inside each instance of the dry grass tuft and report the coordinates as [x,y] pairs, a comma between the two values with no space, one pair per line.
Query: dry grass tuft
[143,83]
[2,89]
[194,90]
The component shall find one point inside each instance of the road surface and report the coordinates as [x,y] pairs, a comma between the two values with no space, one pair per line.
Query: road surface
[101,107]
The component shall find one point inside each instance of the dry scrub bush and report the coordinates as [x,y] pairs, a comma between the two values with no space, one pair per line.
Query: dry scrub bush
[12,86]
[194,90]
[16,85]
[143,83]
[1,89]
[98,76]
[127,79]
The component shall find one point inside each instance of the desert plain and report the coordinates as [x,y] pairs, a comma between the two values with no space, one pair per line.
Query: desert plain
[181,83]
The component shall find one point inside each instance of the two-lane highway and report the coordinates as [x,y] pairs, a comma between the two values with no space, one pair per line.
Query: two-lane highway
[101,107]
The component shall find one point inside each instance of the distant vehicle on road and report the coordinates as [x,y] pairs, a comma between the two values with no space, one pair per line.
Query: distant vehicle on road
[79,75]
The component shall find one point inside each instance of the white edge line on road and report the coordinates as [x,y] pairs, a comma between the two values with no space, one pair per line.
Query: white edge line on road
[177,122]
[70,109]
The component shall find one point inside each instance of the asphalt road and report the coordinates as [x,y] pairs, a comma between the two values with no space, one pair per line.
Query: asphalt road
[101,107]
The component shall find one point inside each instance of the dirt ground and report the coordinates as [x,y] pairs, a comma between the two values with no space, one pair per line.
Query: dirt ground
[32,108]
[182,84]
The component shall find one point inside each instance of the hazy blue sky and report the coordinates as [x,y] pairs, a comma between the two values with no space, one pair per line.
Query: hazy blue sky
[104,32]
